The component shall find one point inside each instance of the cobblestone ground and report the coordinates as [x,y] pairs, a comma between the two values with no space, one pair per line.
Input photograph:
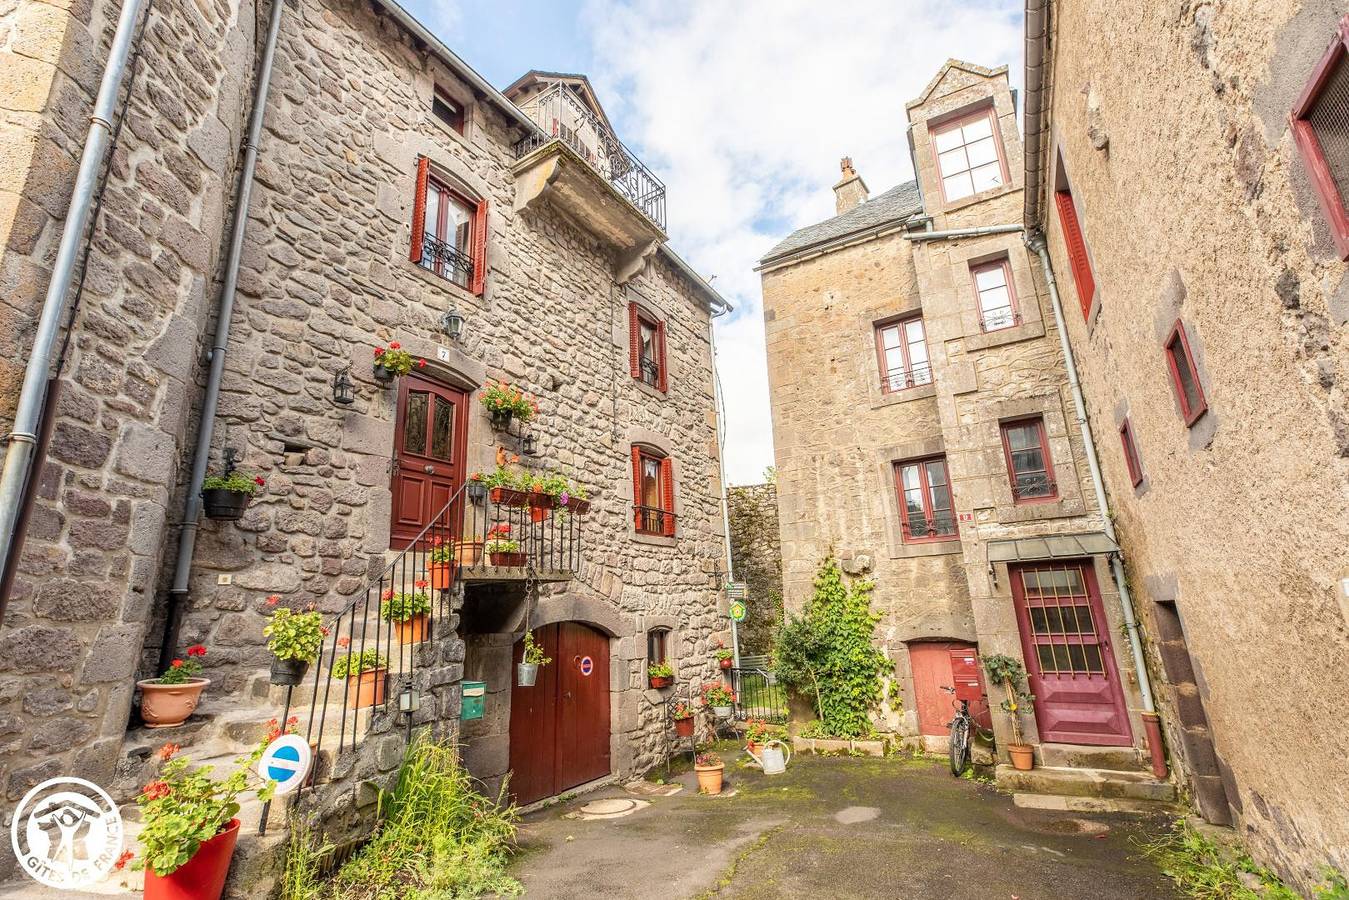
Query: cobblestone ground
[839,828]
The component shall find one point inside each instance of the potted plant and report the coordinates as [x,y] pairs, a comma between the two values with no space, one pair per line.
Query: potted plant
[505,401]
[393,361]
[756,732]
[225,497]
[468,552]
[725,657]
[660,675]
[168,700]
[364,673]
[719,698]
[503,487]
[1010,673]
[504,551]
[410,613]
[576,499]
[295,639]
[528,669]
[441,563]
[189,828]
[710,769]
[682,714]
[475,489]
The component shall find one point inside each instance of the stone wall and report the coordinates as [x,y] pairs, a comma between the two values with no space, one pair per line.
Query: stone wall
[756,553]
[1177,117]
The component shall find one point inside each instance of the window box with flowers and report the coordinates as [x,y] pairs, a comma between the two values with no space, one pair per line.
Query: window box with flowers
[504,402]
[503,550]
[410,612]
[661,675]
[365,673]
[168,701]
[225,497]
[393,361]
[504,487]
[295,639]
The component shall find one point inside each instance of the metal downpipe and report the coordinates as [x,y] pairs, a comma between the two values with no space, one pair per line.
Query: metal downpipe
[187,537]
[721,472]
[32,396]
[960,232]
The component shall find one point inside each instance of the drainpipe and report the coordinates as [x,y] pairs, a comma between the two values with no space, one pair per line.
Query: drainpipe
[23,439]
[721,471]
[1151,721]
[187,537]
[960,232]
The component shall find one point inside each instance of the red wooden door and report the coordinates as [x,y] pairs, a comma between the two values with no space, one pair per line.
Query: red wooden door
[560,727]
[949,664]
[429,442]
[1071,669]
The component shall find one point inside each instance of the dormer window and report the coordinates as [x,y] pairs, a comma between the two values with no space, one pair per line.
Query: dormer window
[969,158]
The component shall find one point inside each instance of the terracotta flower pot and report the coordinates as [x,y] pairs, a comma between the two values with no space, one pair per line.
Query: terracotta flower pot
[538,514]
[515,560]
[203,876]
[752,746]
[223,505]
[539,500]
[709,778]
[1023,756]
[684,727]
[578,506]
[661,681]
[366,689]
[508,497]
[441,574]
[168,705]
[288,671]
[467,553]
[725,663]
[413,630]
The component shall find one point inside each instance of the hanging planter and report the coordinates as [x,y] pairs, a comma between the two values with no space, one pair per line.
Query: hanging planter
[365,674]
[294,639]
[393,361]
[476,490]
[225,497]
[527,671]
[505,402]
[526,674]
[410,613]
[660,675]
[504,496]
[500,419]
[683,719]
[725,657]
[168,701]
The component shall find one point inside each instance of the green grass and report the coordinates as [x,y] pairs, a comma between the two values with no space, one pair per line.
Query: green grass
[438,839]
[761,700]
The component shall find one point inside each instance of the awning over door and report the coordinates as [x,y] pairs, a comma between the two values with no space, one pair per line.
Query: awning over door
[1059,546]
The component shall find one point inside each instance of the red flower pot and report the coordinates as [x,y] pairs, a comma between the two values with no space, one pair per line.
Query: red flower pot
[684,727]
[508,497]
[441,575]
[726,663]
[578,506]
[661,681]
[541,501]
[508,559]
[538,514]
[203,876]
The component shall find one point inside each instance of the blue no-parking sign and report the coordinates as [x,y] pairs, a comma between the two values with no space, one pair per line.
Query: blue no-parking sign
[587,666]
[286,761]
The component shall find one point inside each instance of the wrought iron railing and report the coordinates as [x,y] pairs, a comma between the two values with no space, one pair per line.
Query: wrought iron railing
[897,380]
[653,520]
[446,260]
[941,525]
[562,116]
[999,318]
[1034,486]
[650,372]
[758,696]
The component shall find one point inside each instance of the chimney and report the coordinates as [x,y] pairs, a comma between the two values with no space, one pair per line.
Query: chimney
[851,189]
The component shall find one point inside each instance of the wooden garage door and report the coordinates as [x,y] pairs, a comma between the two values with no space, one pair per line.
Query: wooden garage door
[560,727]
[946,664]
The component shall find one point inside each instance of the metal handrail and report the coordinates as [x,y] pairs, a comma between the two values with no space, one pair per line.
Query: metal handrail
[655,514]
[446,260]
[896,380]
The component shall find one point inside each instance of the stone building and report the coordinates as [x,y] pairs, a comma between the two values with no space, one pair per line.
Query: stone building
[1185,168]
[924,430]
[756,558]
[408,201]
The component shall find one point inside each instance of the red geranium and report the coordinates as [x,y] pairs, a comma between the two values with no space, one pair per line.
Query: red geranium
[196,650]
[166,752]
[177,663]
[156,790]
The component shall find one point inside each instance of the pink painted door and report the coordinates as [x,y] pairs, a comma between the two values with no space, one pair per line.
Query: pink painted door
[945,664]
[1071,668]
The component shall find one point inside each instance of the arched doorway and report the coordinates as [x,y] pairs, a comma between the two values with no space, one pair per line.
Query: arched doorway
[560,726]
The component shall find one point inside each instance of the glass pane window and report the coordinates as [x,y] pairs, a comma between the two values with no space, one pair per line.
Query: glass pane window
[657,650]
[997,302]
[902,351]
[968,156]
[926,509]
[442,429]
[414,422]
[447,234]
[1028,464]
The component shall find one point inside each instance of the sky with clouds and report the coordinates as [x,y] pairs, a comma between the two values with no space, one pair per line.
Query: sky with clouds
[744,111]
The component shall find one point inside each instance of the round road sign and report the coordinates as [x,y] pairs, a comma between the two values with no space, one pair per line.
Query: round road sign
[587,666]
[286,761]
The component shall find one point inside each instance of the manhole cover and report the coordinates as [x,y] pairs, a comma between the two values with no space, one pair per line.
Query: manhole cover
[608,808]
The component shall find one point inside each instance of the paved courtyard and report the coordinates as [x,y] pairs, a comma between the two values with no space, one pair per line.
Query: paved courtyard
[838,828]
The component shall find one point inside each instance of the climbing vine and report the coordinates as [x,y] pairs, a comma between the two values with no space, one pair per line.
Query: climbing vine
[827,654]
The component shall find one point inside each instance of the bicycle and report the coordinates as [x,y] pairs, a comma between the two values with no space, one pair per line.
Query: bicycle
[963,727]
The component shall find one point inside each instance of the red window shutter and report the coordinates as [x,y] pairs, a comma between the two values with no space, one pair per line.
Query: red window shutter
[637,488]
[1077,251]
[664,380]
[479,248]
[634,341]
[667,497]
[419,209]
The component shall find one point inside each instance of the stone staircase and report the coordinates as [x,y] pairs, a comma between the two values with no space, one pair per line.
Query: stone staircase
[1087,779]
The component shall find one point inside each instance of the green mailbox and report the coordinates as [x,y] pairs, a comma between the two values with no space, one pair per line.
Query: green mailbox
[474,694]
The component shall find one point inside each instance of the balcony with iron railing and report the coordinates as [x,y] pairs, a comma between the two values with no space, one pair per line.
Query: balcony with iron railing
[897,380]
[574,160]
[940,526]
[446,260]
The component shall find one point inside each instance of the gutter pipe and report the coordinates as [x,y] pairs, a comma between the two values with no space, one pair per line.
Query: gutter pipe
[33,396]
[721,470]
[961,232]
[187,537]
[1037,37]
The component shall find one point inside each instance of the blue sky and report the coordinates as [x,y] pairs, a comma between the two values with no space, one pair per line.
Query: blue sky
[744,110]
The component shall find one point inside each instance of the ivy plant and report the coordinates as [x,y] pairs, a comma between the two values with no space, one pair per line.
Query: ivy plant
[828,655]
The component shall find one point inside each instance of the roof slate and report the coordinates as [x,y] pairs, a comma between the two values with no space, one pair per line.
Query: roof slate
[900,202]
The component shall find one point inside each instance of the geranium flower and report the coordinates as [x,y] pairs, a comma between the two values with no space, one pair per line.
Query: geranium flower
[344,642]
[325,629]
[421,363]
[258,480]
[274,599]
[394,345]
[126,857]
[379,351]
[196,650]
[166,752]
[387,595]
[177,664]
[156,790]
[421,585]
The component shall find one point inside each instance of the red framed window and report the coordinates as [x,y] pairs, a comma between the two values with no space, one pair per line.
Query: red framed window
[657,646]
[646,340]
[925,507]
[1028,463]
[652,492]
[448,110]
[1083,279]
[1184,375]
[1320,124]
[901,350]
[969,155]
[1126,439]
[995,294]
[449,231]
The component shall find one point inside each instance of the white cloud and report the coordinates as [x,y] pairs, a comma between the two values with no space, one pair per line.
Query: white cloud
[744,111]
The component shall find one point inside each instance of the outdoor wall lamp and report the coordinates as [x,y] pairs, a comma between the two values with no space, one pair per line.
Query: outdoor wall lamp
[529,445]
[452,323]
[344,392]
[410,700]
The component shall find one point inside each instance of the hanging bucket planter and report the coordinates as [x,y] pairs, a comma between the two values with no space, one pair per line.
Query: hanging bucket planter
[526,674]
[500,418]
[223,505]
[384,377]
[684,727]
[288,671]
[203,876]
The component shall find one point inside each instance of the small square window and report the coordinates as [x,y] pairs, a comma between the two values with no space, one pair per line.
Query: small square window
[1126,437]
[969,158]
[448,110]
[996,295]
[1028,464]
[1320,124]
[1184,375]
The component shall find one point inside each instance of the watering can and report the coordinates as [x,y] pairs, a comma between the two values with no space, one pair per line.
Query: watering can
[770,758]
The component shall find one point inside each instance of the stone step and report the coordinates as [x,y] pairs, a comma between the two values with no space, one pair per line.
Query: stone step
[1082,756]
[1063,803]
[1069,782]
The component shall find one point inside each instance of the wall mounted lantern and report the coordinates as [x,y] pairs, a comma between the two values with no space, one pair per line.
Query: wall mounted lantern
[344,392]
[452,324]
[529,444]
